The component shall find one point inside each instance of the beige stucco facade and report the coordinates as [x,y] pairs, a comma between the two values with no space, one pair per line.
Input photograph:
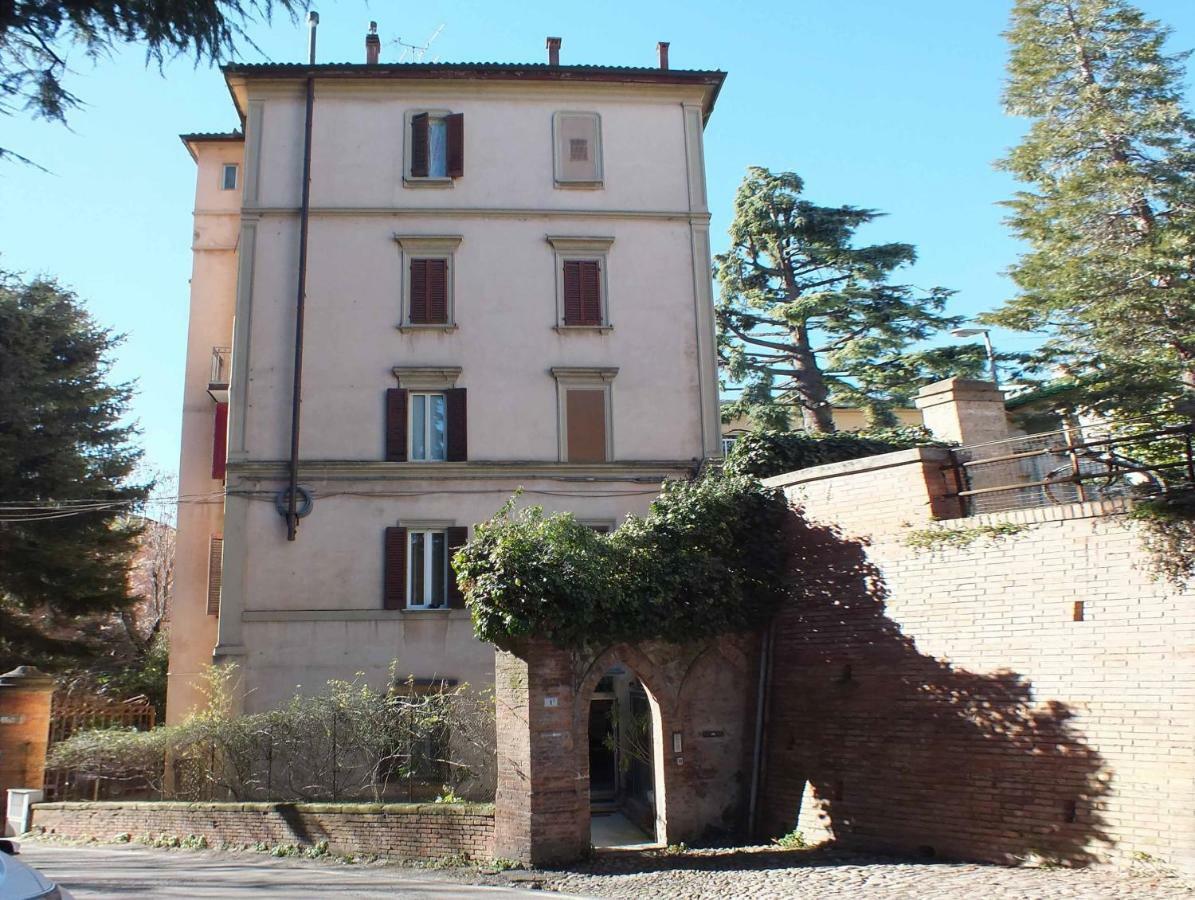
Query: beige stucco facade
[301,612]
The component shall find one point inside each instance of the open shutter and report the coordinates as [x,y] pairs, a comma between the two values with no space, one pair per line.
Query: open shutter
[419,145]
[458,431]
[215,574]
[418,310]
[458,535]
[456,144]
[437,291]
[396,425]
[572,292]
[220,442]
[394,590]
[591,292]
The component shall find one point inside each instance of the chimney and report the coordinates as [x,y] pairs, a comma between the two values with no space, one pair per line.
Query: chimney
[553,51]
[312,24]
[662,49]
[373,45]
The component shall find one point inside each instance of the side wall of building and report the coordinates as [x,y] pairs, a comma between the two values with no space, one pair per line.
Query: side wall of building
[1025,696]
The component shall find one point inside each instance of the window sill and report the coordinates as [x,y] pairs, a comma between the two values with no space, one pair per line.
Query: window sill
[409,181]
[415,328]
[425,610]
[579,185]
[571,329]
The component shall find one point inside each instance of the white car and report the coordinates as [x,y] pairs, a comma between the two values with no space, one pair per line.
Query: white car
[21,882]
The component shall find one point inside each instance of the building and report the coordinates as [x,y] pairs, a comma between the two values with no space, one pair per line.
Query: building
[506,283]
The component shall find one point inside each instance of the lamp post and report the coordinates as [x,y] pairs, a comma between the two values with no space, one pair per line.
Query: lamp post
[987,343]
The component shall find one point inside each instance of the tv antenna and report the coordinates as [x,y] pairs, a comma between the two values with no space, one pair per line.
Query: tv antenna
[417,52]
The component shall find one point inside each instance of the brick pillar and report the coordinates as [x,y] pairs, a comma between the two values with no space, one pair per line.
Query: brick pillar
[964,410]
[541,806]
[25,695]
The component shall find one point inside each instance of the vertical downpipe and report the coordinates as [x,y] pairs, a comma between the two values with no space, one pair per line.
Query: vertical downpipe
[292,516]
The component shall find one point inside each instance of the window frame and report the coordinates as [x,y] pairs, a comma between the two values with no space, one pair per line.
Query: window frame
[427,425]
[431,181]
[562,182]
[577,248]
[236,177]
[426,246]
[427,565]
[586,378]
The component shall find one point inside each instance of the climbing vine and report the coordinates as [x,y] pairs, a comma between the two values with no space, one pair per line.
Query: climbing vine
[1168,533]
[767,453]
[708,558]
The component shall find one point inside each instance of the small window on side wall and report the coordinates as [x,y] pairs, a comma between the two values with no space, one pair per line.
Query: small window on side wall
[228,176]
[435,146]
[578,149]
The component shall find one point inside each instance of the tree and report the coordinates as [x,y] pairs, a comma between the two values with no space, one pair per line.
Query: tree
[65,460]
[1109,206]
[809,318]
[36,37]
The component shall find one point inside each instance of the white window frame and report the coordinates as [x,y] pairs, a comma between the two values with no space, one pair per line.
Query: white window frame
[583,378]
[583,248]
[428,566]
[427,425]
[557,168]
[236,178]
[430,181]
[426,246]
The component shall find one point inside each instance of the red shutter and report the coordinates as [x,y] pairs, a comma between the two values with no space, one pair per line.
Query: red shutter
[591,292]
[419,145]
[572,292]
[394,593]
[456,144]
[458,536]
[437,291]
[220,442]
[458,432]
[418,301]
[396,425]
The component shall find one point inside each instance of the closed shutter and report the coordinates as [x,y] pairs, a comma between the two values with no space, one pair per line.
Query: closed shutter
[220,442]
[396,425]
[458,425]
[419,145]
[458,536]
[437,291]
[418,311]
[394,584]
[582,292]
[585,414]
[215,574]
[456,144]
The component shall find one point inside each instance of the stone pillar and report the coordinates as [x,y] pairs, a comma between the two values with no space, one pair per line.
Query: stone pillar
[964,410]
[541,805]
[25,695]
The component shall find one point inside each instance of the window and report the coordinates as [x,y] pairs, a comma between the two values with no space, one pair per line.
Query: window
[429,427]
[578,149]
[583,411]
[215,574]
[581,282]
[427,572]
[435,146]
[228,177]
[428,272]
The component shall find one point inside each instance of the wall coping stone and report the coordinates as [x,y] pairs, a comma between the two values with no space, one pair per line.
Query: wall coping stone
[400,809]
[913,456]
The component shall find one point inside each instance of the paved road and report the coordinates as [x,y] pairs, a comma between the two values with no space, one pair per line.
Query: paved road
[133,872]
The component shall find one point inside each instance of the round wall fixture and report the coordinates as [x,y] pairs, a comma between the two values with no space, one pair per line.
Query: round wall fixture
[304,501]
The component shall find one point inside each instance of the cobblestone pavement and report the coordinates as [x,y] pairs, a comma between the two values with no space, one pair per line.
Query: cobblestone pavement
[796,875]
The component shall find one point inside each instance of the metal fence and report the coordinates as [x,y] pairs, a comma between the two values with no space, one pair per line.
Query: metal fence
[1078,464]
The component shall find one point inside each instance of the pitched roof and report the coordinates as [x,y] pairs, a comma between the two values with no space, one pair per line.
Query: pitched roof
[209,137]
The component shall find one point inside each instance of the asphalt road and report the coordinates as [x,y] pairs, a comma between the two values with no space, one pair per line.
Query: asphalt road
[134,872]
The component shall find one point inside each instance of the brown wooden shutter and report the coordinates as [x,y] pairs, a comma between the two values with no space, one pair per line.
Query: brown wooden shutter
[396,425]
[458,536]
[419,145]
[458,425]
[572,292]
[591,292]
[215,574]
[394,591]
[418,309]
[456,144]
[220,442]
[437,291]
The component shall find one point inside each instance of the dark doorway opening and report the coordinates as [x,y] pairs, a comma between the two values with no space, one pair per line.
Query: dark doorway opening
[622,756]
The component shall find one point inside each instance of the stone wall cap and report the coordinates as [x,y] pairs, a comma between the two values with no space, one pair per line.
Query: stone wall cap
[912,456]
[27,677]
[958,388]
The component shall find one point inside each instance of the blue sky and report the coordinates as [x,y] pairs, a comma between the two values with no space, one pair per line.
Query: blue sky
[888,105]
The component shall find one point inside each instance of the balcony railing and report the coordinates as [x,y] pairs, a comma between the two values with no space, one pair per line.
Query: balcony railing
[221,373]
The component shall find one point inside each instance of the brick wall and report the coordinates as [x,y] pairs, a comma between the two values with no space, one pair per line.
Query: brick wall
[957,701]
[402,830]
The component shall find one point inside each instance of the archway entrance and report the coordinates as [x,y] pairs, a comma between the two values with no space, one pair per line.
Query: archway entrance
[623,735]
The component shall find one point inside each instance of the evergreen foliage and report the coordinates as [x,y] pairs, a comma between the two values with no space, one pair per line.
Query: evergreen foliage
[764,453]
[808,317]
[708,558]
[1108,209]
[61,440]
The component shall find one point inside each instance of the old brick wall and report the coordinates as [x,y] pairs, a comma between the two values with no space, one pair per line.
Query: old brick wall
[957,701]
[401,830]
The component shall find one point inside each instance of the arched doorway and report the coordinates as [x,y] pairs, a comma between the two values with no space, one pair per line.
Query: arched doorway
[625,759]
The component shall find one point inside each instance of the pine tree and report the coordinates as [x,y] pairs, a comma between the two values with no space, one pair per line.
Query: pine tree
[807,318]
[65,461]
[1109,206]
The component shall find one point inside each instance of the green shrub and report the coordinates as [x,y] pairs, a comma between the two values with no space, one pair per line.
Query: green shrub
[763,454]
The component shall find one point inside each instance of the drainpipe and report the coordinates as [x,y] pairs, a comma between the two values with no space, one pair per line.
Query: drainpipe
[757,757]
[292,515]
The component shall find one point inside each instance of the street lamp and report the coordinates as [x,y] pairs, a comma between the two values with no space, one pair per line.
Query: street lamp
[987,343]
